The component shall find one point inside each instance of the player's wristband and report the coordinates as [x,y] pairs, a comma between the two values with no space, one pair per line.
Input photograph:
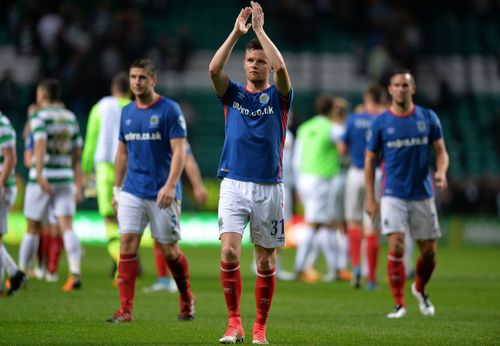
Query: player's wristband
[116,190]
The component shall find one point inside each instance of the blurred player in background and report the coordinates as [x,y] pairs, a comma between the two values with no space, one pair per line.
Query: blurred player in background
[359,225]
[101,143]
[251,166]
[319,164]
[149,162]
[55,178]
[164,280]
[404,135]
[50,243]
[8,191]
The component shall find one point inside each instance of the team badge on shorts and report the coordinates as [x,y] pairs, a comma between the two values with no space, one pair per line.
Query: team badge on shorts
[221,224]
[264,98]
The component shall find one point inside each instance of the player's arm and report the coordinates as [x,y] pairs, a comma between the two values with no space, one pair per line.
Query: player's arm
[220,79]
[10,160]
[40,151]
[89,148]
[371,205]
[76,157]
[442,163]
[121,160]
[281,77]
[193,173]
[167,193]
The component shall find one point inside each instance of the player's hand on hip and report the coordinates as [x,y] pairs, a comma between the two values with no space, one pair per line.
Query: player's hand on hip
[241,26]
[257,16]
[45,186]
[165,196]
[372,208]
[440,181]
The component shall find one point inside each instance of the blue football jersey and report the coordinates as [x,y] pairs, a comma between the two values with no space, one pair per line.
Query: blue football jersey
[255,127]
[147,134]
[405,142]
[357,126]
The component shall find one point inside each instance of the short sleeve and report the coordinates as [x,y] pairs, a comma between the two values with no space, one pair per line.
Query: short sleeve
[230,94]
[121,136]
[436,131]
[373,137]
[38,127]
[176,124]
[7,136]
[348,128]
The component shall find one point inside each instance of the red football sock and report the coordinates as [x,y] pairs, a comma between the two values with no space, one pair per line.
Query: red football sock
[180,272]
[355,246]
[230,278]
[264,292]
[43,248]
[161,263]
[127,274]
[423,273]
[396,272]
[56,244]
[372,248]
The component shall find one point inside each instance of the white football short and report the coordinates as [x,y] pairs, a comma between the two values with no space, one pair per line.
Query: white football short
[134,213]
[6,201]
[262,205]
[355,196]
[317,198]
[37,202]
[418,217]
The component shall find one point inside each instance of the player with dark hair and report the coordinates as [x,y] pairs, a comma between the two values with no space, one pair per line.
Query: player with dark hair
[148,164]
[359,225]
[54,178]
[404,135]
[251,168]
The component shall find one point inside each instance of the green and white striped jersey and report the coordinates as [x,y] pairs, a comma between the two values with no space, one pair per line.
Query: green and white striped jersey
[59,128]
[7,140]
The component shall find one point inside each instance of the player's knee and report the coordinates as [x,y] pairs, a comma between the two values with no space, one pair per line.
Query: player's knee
[229,253]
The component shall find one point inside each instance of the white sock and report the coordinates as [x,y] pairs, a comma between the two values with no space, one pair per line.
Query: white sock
[303,249]
[29,246]
[329,247]
[73,251]
[342,250]
[9,264]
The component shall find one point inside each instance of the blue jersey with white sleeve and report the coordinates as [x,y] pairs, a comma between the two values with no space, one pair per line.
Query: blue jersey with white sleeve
[357,126]
[404,142]
[147,133]
[255,127]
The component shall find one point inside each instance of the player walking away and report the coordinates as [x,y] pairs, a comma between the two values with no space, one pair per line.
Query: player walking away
[100,147]
[50,241]
[8,191]
[149,162]
[164,281]
[319,164]
[359,225]
[256,118]
[55,178]
[403,135]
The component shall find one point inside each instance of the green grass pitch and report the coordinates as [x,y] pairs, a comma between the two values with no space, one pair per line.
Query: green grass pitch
[465,289]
